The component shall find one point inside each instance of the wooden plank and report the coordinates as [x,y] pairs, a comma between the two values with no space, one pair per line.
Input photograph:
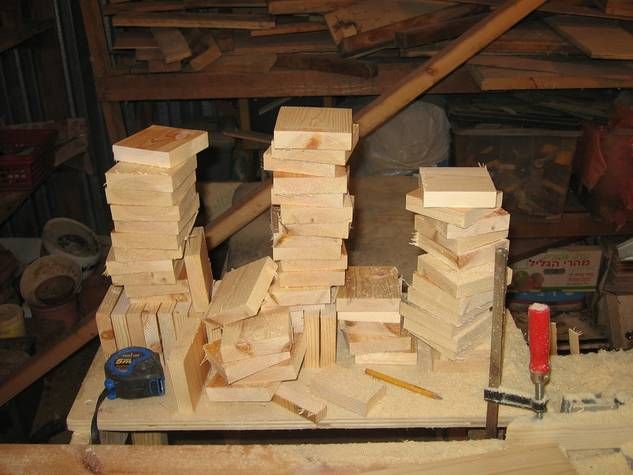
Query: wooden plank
[140,291]
[339,230]
[150,178]
[312,332]
[307,247]
[291,27]
[303,168]
[104,324]
[198,268]
[126,255]
[205,52]
[151,330]
[369,316]
[318,278]
[187,367]
[122,195]
[119,323]
[291,214]
[148,241]
[160,146]
[457,187]
[299,296]
[194,20]
[174,5]
[334,157]
[369,288]
[134,320]
[291,7]
[313,128]
[436,31]
[327,64]
[285,371]
[497,220]
[371,337]
[401,358]
[166,325]
[447,328]
[172,43]
[218,390]
[242,291]
[311,264]
[328,330]
[348,389]
[312,42]
[296,397]
[327,200]
[602,39]
[461,217]
[266,333]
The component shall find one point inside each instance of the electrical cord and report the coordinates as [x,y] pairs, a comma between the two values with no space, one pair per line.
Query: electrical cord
[94,430]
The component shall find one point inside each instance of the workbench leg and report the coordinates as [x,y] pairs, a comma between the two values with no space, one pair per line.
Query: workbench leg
[149,438]
[109,437]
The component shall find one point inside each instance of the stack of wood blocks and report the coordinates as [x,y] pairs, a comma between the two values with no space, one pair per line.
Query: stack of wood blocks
[312,210]
[460,224]
[368,313]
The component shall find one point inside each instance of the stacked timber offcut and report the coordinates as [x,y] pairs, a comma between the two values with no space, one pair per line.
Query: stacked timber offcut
[459,223]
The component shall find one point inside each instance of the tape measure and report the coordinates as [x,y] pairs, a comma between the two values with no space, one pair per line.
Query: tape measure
[130,373]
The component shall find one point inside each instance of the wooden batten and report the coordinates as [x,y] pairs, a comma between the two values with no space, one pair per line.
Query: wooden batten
[369,288]
[166,326]
[198,266]
[314,128]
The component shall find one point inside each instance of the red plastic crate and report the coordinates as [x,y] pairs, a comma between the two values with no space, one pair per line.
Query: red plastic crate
[26,157]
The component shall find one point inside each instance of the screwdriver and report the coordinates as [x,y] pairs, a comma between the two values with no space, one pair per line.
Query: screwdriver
[538,338]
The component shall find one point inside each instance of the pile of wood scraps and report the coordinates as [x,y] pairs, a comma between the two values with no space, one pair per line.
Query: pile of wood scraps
[460,224]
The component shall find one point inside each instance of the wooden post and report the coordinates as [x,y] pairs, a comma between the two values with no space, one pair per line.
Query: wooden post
[553,339]
[442,64]
[574,341]
[311,332]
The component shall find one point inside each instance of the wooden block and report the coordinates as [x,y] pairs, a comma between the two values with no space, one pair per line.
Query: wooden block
[457,187]
[206,51]
[496,220]
[161,146]
[348,389]
[382,317]
[187,366]
[311,278]
[159,227]
[180,316]
[296,397]
[461,217]
[307,247]
[334,157]
[285,371]
[264,334]
[438,325]
[126,255]
[198,267]
[155,213]
[300,295]
[236,370]
[104,324]
[141,291]
[172,44]
[294,184]
[142,278]
[339,230]
[115,267]
[372,337]
[325,200]
[214,331]
[309,214]
[166,325]
[425,355]
[311,264]
[369,288]
[242,291]
[302,168]
[296,319]
[151,240]
[311,332]
[219,391]
[151,330]
[314,128]
[476,360]
[328,331]
[458,283]
[403,358]
[133,176]
[119,323]
[121,195]
[134,321]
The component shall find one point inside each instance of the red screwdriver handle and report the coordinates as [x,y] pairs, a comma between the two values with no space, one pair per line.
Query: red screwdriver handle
[538,335]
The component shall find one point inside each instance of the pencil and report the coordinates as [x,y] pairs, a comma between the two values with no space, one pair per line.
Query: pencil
[401,384]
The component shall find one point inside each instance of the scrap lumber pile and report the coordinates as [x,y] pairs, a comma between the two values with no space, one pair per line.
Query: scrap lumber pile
[459,223]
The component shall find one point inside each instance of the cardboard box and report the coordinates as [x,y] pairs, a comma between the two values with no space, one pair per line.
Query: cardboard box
[572,268]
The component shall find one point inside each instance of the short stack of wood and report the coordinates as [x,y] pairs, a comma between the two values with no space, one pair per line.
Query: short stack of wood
[312,209]
[460,224]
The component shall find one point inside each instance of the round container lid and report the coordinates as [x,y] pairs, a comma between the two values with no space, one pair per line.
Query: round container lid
[44,269]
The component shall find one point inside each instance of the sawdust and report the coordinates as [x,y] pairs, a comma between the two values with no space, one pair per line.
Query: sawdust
[590,462]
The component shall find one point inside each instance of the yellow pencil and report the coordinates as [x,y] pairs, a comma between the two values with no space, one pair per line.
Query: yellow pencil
[401,384]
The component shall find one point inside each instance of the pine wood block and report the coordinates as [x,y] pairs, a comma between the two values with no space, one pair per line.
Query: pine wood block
[482,255]
[311,278]
[166,325]
[496,220]
[187,366]
[311,264]
[141,291]
[372,337]
[119,322]
[285,371]
[155,213]
[300,295]
[339,230]
[438,325]
[104,324]
[296,397]
[314,128]
[369,288]
[328,331]
[312,332]
[302,168]
[151,331]
[427,295]
[121,195]
[348,389]
[214,331]
[180,315]
[133,176]
[461,217]
[307,247]
[207,52]
[425,355]
[402,358]
[334,157]
[235,370]
[296,320]
[167,298]
[161,146]
[476,360]
[127,255]
[198,267]
[135,324]
[367,316]
[172,43]
[295,184]
[151,240]
[457,187]
[266,333]
[159,227]
[219,391]
[242,291]
[319,200]
[115,267]
[463,283]
[141,278]
[310,215]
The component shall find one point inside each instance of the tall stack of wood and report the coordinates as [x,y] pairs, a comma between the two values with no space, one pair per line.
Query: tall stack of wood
[459,223]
